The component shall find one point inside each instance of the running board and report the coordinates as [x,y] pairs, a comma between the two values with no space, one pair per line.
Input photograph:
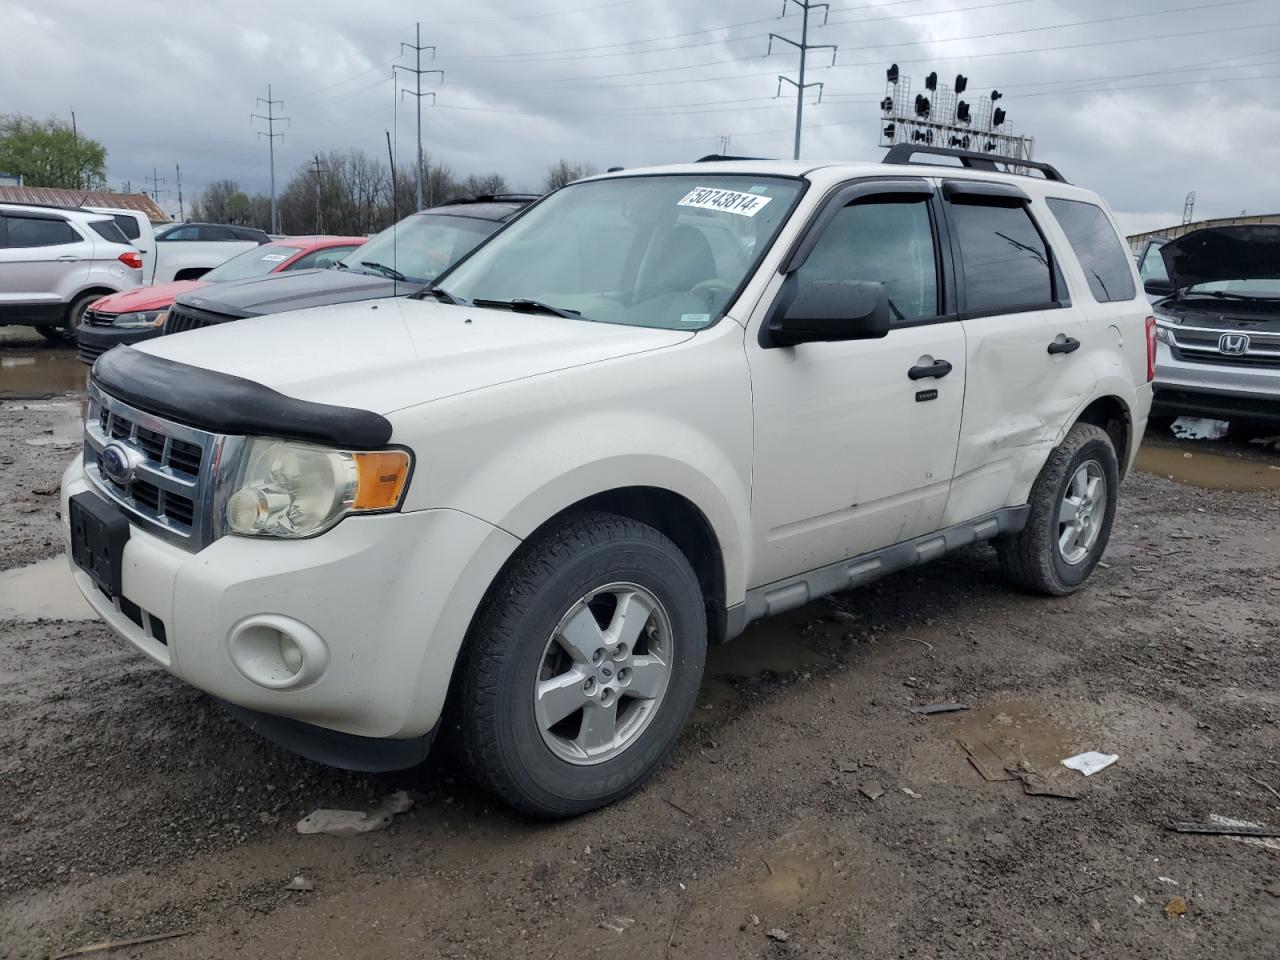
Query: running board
[774,598]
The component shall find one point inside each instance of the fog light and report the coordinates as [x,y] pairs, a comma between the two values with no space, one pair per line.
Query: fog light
[290,653]
[277,652]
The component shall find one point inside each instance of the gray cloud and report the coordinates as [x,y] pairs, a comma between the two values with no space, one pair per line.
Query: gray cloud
[1141,108]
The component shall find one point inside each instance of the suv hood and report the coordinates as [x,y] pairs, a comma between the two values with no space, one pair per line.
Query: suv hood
[1240,252]
[395,353]
[295,290]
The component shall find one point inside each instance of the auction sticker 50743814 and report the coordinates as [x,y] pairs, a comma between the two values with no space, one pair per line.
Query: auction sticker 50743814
[728,201]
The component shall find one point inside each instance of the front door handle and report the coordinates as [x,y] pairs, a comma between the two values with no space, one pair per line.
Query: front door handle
[1065,345]
[67,258]
[938,369]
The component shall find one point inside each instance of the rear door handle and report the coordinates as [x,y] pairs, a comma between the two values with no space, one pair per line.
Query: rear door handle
[938,369]
[1066,345]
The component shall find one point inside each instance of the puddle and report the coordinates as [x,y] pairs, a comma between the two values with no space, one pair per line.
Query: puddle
[1021,730]
[1210,471]
[41,373]
[67,418]
[42,591]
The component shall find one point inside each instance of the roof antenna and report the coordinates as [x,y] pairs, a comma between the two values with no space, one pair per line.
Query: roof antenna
[395,212]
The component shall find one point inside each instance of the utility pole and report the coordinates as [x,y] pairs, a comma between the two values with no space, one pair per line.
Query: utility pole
[271,135]
[317,168]
[155,182]
[417,72]
[177,169]
[75,139]
[724,144]
[804,46]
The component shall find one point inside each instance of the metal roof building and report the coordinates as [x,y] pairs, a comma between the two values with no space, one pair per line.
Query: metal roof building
[59,197]
[1139,240]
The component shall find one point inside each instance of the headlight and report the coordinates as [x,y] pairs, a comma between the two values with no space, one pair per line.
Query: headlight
[1164,329]
[287,489]
[141,319]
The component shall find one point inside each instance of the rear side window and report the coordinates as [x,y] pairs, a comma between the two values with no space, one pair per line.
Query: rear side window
[1152,266]
[1101,255]
[40,232]
[1006,262]
[128,226]
[109,232]
[217,233]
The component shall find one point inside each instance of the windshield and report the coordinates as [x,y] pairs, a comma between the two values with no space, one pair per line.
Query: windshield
[1268,289]
[420,247]
[257,262]
[655,251]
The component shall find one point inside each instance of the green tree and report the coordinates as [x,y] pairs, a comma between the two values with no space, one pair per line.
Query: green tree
[49,154]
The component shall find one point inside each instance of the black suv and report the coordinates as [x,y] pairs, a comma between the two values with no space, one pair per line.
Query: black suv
[212,231]
[399,261]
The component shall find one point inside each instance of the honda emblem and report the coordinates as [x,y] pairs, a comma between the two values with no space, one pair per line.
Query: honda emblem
[1233,344]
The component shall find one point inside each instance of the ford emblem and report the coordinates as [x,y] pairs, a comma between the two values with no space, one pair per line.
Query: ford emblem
[116,463]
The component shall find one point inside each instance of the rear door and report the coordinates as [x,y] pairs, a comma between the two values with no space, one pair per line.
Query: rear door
[1026,369]
[855,441]
[44,260]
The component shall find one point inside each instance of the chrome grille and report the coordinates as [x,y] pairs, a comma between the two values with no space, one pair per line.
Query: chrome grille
[176,473]
[1200,345]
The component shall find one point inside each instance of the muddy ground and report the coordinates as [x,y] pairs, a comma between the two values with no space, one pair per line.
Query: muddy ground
[131,806]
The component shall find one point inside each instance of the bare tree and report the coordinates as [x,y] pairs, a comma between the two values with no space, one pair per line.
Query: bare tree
[562,172]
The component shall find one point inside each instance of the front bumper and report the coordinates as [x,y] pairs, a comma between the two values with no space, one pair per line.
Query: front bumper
[93,341]
[1212,389]
[380,605]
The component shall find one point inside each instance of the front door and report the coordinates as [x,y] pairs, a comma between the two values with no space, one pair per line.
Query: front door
[855,441]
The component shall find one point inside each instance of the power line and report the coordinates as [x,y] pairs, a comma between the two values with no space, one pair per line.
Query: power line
[271,135]
[537,16]
[804,46]
[417,72]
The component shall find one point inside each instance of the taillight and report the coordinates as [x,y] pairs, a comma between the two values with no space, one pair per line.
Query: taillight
[131,259]
[1151,349]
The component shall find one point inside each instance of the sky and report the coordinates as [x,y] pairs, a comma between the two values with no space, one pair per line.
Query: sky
[1142,101]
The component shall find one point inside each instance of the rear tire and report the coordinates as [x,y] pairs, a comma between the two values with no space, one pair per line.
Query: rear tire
[65,332]
[1073,504]
[581,667]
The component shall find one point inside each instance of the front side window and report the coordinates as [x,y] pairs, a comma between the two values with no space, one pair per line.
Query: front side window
[257,262]
[884,240]
[1098,248]
[321,259]
[184,232]
[40,232]
[655,251]
[1005,260]
[420,247]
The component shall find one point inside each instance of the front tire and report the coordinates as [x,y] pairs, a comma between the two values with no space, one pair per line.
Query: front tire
[581,667]
[65,332]
[1073,505]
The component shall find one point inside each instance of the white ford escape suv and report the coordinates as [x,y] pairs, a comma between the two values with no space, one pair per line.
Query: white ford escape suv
[658,405]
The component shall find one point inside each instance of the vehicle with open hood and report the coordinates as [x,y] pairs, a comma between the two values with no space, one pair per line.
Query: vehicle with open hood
[1218,324]
[513,509]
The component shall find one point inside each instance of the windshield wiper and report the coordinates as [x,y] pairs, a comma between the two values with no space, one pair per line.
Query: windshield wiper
[383,269]
[341,265]
[1225,295]
[440,293]
[523,305]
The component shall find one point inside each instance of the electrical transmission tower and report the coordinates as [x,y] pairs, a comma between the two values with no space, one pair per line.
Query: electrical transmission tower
[1188,207]
[417,72]
[317,168]
[804,46]
[155,180]
[272,119]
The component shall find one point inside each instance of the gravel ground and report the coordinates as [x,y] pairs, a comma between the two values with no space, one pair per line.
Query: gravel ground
[131,806]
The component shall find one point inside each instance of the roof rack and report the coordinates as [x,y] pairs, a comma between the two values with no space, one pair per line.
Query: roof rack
[716,157]
[903,152]
[494,198]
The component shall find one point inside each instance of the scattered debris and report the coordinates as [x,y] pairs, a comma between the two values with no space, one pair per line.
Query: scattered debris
[267,819]
[778,935]
[1273,442]
[1037,784]
[676,806]
[300,884]
[932,708]
[617,924]
[848,766]
[118,944]
[871,790]
[768,866]
[348,823]
[987,760]
[1200,428]
[1266,786]
[1168,880]
[911,793]
[1274,889]
[1176,907]
[1223,826]
[923,643]
[48,491]
[1090,762]
[1139,900]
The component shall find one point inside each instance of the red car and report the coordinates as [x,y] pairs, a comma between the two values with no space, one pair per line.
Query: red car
[139,314]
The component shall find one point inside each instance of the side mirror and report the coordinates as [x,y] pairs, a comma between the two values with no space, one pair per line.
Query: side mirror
[829,310]
[1159,288]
